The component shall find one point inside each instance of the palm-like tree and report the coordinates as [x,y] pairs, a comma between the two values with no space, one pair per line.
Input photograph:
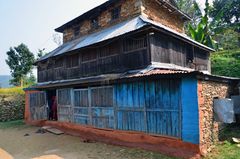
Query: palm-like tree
[201,31]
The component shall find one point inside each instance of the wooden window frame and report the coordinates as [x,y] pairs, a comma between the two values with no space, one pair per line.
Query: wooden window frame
[70,59]
[83,60]
[115,13]
[76,30]
[56,66]
[94,23]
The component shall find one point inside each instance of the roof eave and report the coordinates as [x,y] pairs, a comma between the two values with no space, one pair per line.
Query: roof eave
[184,15]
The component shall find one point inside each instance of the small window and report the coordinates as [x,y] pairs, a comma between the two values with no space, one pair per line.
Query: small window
[134,43]
[76,31]
[90,55]
[190,56]
[94,23]
[73,61]
[59,62]
[116,13]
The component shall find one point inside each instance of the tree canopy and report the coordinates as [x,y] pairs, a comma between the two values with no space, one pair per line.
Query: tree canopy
[20,61]
[225,16]
[226,63]
[218,27]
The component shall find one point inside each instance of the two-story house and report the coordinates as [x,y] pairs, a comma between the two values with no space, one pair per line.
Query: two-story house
[127,74]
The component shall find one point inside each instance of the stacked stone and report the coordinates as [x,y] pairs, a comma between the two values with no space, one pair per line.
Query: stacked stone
[209,129]
[129,9]
[11,107]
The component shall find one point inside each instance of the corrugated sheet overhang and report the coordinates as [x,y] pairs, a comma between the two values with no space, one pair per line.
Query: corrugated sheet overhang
[116,31]
[147,73]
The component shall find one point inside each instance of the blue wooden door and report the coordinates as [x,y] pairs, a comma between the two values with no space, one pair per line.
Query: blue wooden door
[81,107]
[94,106]
[163,107]
[38,105]
[151,106]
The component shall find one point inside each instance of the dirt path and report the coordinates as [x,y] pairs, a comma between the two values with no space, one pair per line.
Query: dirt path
[16,143]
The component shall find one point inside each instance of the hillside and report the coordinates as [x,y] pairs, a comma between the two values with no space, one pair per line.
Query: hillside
[4,81]
[226,63]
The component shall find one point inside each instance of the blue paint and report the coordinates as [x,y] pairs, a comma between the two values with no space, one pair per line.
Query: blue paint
[141,96]
[190,114]
[153,107]
[160,99]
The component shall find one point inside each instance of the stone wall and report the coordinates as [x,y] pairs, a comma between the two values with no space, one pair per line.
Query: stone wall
[209,129]
[160,14]
[11,107]
[129,9]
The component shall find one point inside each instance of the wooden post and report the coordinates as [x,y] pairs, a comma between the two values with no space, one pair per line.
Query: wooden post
[72,105]
[21,82]
[90,106]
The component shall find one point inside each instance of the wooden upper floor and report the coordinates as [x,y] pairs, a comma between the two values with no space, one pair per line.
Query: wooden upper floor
[113,12]
[123,35]
[136,50]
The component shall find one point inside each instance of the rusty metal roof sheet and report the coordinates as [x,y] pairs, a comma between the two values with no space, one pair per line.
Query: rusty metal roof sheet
[161,72]
[150,71]
[155,71]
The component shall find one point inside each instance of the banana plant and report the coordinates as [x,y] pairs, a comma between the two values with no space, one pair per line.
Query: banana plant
[201,32]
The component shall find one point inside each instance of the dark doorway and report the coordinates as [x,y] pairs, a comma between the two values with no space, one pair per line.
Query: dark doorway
[52,105]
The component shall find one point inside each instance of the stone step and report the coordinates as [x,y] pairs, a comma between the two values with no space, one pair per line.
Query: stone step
[53,130]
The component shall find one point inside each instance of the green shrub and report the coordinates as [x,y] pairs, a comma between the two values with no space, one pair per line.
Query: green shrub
[226,63]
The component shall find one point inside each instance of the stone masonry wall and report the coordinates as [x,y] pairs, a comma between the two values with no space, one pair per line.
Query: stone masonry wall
[209,129]
[11,107]
[129,9]
[160,14]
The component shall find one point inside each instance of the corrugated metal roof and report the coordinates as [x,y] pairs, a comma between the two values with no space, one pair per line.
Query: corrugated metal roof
[160,72]
[113,32]
[150,71]
[106,34]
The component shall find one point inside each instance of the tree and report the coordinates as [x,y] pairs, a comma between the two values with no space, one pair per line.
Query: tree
[229,10]
[20,61]
[226,63]
[30,80]
[202,31]
[57,39]
[191,8]
[227,39]
[40,53]
[225,16]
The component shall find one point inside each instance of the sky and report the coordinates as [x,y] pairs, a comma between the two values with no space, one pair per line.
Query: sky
[33,23]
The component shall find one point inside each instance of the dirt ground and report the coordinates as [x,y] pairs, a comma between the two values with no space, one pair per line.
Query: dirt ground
[24,143]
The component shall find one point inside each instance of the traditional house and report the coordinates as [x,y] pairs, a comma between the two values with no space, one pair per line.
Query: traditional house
[127,74]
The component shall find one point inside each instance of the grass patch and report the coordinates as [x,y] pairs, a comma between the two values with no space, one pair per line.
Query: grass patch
[13,90]
[226,149]
[11,124]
